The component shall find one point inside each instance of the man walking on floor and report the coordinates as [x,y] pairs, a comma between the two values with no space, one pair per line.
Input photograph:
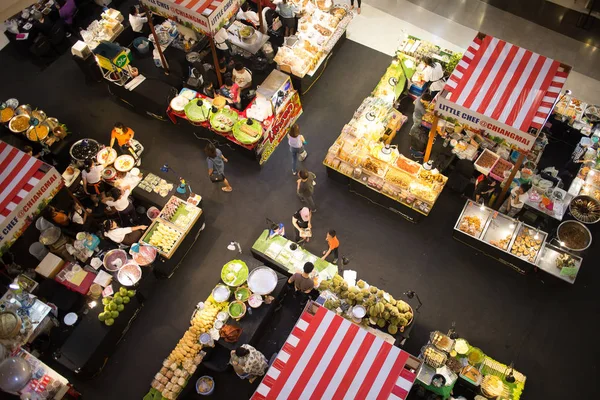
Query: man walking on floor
[306,188]
[333,245]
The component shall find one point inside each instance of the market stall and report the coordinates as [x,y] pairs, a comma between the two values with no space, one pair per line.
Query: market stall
[288,258]
[374,309]
[327,356]
[516,244]
[244,300]
[363,158]
[503,93]
[257,130]
[452,366]
[321,30]
[587,181]
[579,115]
[27,186]
[44,382]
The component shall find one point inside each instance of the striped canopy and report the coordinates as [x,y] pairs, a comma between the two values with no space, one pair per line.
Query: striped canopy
[19,174]
[506,83]
[329,357]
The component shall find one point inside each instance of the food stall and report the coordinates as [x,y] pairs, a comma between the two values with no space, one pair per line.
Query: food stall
[371,307]
[587,181]
[516,244]
[244,300]
[257,130]
[44,382]
[107,28]
[327,356]
[452,366]
[503,93]
[363,158]
[578,114]
[288,258]
[27,185]
[321,30]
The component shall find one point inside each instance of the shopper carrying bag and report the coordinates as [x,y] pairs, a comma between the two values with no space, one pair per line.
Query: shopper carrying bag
[296,142]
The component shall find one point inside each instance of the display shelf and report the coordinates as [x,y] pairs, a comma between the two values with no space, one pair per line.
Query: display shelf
[548,263]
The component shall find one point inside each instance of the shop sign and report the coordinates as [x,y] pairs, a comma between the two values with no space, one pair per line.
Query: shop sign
[497,131]
[223,13]
[19,219]
[282,122]
[182,15]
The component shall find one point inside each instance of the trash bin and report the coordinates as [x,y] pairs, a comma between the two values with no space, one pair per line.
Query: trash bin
[141,44]
[38,250]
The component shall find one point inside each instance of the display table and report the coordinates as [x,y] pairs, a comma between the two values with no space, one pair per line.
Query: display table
[276,93]
[234,38]
[513,243]
[37,313]
[91,342]
[276,253]
[469,373]
[150,97]
[49,380]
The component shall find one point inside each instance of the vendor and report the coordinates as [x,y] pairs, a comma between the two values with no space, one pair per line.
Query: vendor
[485,189]
[126,236]
[514,204]
[119,200]
[577,158]
[138,21]
[302,222]
[231,91]
[208,90]
[220,39]
[123,135]
[418,140]
[287,13]
[242,76]
[93,185]
[57,216]
[248,362]
[277,230]
[303,283]
[433,75]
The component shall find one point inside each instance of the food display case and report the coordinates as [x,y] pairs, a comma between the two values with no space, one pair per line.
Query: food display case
[501,237]
[170,228]
[360,155]
[560,263]
[319,29]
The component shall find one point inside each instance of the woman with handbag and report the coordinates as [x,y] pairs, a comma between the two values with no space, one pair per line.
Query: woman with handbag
[216,166]
[296,142]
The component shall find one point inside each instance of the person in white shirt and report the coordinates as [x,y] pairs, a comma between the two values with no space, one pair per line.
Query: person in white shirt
[119,200]
[433,74]
[516,201]
[241,76]
[220,39]
[126,236]
[137,20]
[92,180]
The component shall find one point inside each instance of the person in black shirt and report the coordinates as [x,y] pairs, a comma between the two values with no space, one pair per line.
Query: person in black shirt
[485,189]
[301,222]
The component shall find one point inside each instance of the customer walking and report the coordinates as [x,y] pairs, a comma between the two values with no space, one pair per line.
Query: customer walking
[352,5]
[306,188]
[248,362]
[296,142]
[333,245]
[216,166]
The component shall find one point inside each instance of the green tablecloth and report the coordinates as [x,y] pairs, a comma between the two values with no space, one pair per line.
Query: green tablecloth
[444,391]
[277,249]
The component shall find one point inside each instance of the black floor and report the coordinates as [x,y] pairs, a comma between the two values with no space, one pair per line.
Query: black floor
[543,326]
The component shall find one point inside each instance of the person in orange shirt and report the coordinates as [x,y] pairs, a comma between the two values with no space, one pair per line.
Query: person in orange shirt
[57,216]
[334,245]
[122,134]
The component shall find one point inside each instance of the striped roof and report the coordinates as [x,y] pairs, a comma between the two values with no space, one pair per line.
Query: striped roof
[19,173]
[329,357]
[509,84]
[205,7]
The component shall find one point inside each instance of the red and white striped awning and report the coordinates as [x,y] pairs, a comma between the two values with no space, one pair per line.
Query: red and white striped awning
[19,174]
[329,357]
[506,83]
[205,7]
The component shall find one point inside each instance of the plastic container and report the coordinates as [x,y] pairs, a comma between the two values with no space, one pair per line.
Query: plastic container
[142,45]
[152,213]
[208,392]
[38,250]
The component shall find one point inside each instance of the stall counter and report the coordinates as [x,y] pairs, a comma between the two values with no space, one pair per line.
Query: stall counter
[55,384]
[277,252]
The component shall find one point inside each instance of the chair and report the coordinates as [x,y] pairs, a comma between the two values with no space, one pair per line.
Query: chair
[42,50]
[58,38]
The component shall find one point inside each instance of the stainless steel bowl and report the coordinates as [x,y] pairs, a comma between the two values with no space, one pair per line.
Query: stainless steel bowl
[574,236]
[585,209]
[84,149]
[24,109]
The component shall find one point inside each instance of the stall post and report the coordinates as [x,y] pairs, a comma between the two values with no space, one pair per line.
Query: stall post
[500,199]
[156,42]
[213,50]
[432,133]
[260,16]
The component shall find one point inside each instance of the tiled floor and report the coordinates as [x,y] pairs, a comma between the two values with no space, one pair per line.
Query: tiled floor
[382,23]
